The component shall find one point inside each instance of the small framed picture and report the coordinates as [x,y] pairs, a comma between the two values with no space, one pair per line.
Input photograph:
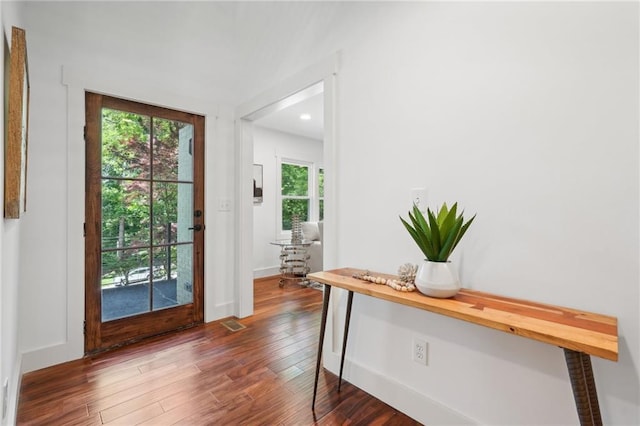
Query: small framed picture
[15,155]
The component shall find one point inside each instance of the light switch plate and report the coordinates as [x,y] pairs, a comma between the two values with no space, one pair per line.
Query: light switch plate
[224,205]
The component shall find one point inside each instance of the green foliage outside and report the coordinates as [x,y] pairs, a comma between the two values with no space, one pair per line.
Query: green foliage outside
[127,193]
[294,207]
[321,183]
[295,183]
[321,193]
[295,180]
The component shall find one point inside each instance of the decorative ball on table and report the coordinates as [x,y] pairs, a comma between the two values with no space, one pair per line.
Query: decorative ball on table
[407,273]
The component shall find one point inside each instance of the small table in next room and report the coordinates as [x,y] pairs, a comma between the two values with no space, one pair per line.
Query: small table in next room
[580,334]
[293,260]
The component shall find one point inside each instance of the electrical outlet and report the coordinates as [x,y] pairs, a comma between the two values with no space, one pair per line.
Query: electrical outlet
[419,351]
[419,198]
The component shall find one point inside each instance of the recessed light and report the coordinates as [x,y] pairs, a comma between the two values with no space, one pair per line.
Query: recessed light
[305,117]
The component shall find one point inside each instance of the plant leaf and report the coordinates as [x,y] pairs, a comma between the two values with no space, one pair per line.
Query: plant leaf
[463,230]
[416,224]
[435,232]
[452,238]
[420,223]
[412,232]
[448,222]
[419,216]
[422,243]
[425,232]
[444,211]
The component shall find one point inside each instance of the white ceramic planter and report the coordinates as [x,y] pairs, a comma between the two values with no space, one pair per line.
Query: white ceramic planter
[437,279]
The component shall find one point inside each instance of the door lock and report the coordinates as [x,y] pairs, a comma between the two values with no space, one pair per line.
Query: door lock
[196,228]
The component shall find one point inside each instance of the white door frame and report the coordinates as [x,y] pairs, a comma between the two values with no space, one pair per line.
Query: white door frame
[324,71]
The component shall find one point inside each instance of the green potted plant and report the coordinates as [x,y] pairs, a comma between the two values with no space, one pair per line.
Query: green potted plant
[437,236]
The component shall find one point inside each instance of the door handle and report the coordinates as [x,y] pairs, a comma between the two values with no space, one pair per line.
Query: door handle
[196,227]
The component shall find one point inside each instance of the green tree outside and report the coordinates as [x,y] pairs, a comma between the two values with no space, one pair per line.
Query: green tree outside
[127,193]
[295,193]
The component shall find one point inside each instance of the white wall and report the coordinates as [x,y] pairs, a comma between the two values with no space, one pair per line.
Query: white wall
[10,230]
[527,114]
[268,146]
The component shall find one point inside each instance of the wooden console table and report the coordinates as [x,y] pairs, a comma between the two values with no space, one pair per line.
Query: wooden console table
[580,334]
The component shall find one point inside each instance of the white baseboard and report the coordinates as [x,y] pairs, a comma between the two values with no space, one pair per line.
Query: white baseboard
[46,357]
[401,397]
[266,272]
[222,310]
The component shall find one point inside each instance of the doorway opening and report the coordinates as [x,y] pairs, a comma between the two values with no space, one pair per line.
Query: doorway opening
[277,98]
[288,149]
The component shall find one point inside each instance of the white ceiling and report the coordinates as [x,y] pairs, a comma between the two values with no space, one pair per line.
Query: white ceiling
[288,119]
[226,52]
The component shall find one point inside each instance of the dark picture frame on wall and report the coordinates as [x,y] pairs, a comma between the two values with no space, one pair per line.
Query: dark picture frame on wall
[16,144]
[257,184]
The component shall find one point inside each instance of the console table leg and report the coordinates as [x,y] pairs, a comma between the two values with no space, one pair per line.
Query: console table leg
[323,326]
[347,319]
[584,387]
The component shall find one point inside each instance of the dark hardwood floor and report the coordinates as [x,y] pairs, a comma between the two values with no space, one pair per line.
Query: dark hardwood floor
[262,374]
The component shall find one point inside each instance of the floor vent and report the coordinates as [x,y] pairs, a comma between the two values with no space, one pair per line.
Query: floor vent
[233,325]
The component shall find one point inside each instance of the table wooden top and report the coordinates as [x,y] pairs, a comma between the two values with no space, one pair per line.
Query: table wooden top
[586,332]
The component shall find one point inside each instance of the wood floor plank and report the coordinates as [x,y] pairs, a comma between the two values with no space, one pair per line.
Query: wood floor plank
[158,394]
[138,416]
[260,375]
[176,410]
[139,387]
[60,415]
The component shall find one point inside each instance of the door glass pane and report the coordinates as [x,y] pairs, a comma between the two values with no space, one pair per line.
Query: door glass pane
[292,207]
[125,144]
[125,283]
[164,279]
[184,276]
[125,213]
[173,283]
[295,180]
[172,212]
[172,150]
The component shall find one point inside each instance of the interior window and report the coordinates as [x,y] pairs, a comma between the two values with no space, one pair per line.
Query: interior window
[295,196]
